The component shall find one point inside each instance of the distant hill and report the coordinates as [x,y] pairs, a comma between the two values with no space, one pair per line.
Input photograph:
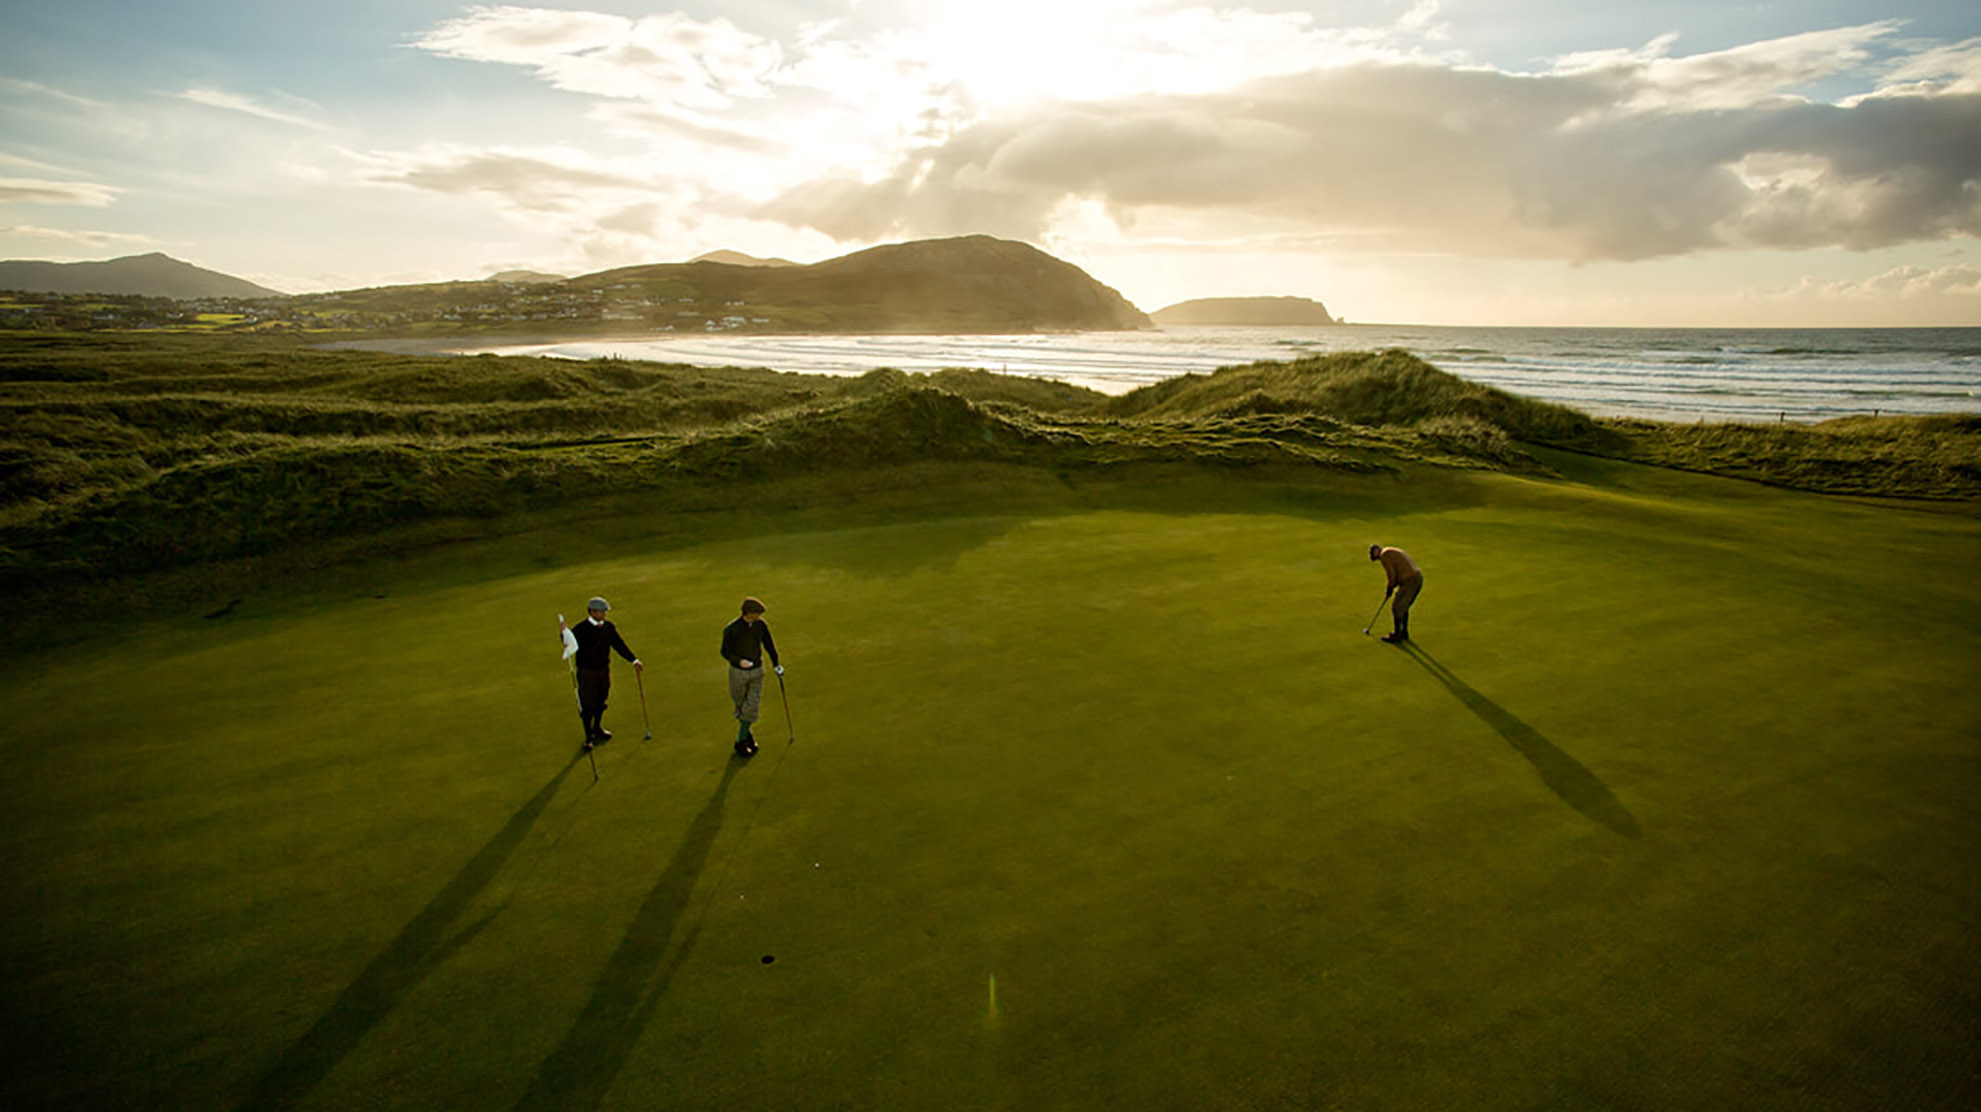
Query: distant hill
[152,275]
[1254,311]
[737,258]
[525,278]
[966,284]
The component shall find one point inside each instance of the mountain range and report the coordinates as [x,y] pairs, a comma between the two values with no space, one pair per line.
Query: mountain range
[963,284]
[737,258]
[153,275]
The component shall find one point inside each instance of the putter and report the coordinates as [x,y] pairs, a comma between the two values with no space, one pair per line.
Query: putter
[791,732]
[637,678]
[1373,617]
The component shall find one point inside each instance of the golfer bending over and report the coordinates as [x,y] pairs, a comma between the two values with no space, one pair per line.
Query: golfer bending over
[597,640]
[1405,581]
[745,642]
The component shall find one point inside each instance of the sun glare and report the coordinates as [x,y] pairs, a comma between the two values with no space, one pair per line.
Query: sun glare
[1020,50]
[1027,50]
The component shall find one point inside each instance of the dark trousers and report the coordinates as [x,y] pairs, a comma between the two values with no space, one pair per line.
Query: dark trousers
[1406,593]
[593,686]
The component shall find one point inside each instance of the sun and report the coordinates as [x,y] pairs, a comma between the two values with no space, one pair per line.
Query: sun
[1016,51]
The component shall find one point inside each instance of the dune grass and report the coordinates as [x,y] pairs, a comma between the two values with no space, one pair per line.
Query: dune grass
[1920,457]
[1099,798]
[127,454]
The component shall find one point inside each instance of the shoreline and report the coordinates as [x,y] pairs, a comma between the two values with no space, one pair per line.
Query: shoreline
[435,345]
[1752,376]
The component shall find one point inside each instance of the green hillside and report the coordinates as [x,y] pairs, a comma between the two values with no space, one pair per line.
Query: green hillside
[969,284]
[965,284]
[152,275]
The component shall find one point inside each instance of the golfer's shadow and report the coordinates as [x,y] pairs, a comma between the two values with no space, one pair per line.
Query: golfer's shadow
[631,986]
[1564,775]
[420,948]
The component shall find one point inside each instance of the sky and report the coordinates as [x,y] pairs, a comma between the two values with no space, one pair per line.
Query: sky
[1532,162]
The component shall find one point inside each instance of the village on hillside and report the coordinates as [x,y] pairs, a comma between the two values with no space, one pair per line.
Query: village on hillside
[456,306]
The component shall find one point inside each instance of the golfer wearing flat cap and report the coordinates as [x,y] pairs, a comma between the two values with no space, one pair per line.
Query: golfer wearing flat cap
[597,640]
[745,643]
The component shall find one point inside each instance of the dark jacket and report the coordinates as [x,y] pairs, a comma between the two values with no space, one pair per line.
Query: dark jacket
[597,643]
[749,641]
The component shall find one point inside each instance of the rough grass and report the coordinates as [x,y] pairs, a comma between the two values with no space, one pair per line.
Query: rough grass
[1099,798]
[1919,457]
[1365,388]
[122,454]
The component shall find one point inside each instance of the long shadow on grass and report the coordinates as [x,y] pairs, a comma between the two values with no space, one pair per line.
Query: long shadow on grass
[1564,775]
[630,987]
[419,949]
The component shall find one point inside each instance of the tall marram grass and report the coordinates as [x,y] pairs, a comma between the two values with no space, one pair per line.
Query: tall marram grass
[124,454]
[1374,388]
[1919,457]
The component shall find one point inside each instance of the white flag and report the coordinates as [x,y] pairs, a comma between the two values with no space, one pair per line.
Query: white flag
[570,639]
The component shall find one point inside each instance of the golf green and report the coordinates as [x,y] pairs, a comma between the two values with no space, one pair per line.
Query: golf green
[1103,803]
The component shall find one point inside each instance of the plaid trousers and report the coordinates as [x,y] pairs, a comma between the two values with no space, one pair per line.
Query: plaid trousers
[746,690]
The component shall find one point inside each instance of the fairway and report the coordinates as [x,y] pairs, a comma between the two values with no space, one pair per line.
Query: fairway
[1100,802]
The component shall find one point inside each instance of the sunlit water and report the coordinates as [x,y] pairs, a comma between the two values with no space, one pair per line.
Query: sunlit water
[1677,374]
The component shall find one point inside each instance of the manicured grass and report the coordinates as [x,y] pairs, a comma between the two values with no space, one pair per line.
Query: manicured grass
[1098,800]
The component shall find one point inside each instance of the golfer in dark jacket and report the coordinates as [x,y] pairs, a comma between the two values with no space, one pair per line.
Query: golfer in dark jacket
[745,643]
[597,640]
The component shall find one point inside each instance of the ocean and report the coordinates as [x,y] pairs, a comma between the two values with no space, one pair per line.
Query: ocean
[1665,374]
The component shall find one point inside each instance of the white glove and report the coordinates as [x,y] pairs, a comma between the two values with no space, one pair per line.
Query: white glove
[779,669]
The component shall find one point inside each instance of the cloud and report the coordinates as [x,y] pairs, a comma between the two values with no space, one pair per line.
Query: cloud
[1222,124]
[233,102]
[1899,282]
[1650,80]
[36,191]
[85,238]
[636,220]
[670,58]
[604,213]
[1421,19]
[37,89]
[31,164]
[532,182]
[1620,159]
[649,120]
[919,78]
[1939,70]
